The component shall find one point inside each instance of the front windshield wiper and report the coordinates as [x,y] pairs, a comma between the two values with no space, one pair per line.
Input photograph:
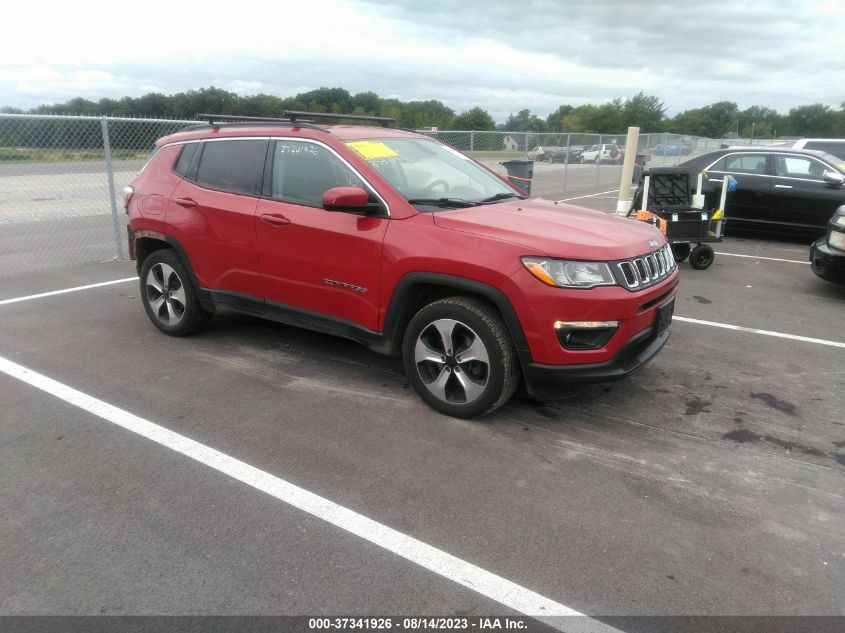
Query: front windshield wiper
[458,203]
[501,196]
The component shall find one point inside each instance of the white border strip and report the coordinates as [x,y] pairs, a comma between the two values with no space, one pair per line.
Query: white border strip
[590,195]
[450,567]
[66,290]
[740,328]
[771,259]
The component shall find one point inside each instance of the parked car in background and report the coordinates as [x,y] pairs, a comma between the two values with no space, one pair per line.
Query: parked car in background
[569,154]
[666,150]
[833,146]
[604,153]
[778,188]
[827,255]
[542,153]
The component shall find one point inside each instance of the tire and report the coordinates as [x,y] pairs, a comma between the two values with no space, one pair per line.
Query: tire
[448,382]
[168,295]
[701,257]
[680,251]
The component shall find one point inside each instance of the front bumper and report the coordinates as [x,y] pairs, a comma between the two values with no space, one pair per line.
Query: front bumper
[546,382]
[828,263]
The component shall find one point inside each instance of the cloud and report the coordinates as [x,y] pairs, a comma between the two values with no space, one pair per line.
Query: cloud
[501,55]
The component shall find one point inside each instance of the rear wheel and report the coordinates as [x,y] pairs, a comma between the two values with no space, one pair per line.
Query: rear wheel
[701,257]
[168,295]
[459,358]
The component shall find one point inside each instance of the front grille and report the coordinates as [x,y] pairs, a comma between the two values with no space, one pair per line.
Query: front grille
[646,270]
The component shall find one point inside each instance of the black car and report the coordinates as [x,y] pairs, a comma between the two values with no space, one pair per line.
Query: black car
[778,188]
[827,255]
[566,154]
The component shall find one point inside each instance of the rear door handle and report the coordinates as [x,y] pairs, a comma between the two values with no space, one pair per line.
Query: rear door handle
[783,186]
[276,219]
[185,202]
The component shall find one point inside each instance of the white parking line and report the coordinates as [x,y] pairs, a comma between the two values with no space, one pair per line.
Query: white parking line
[450,567]
[739,328]
[771,259]
[53,293]
[590,195]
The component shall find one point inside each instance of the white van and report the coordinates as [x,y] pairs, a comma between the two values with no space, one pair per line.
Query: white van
[835,146]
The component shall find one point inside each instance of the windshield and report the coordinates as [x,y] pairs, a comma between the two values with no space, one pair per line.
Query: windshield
[430,174]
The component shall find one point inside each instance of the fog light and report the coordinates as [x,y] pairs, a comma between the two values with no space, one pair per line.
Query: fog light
[584,325]
[585,334]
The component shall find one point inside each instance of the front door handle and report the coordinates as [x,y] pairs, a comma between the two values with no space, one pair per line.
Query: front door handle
[276,219]
[185,202]
[783,186]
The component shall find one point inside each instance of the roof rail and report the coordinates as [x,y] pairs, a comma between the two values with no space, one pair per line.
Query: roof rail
[217,120]
[382,120]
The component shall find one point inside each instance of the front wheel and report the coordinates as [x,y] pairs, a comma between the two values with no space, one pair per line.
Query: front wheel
[459,357]
[701,257]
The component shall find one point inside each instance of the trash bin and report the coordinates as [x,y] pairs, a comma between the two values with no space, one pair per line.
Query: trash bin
[639,165]
[520,173]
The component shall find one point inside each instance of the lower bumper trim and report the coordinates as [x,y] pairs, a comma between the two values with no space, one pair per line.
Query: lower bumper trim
[546,382]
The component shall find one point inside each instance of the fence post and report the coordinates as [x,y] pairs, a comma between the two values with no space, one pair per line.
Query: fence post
[566,162]
[118,244]
[472,140]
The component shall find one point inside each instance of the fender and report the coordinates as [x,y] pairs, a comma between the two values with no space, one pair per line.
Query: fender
[398,309]
[203,295]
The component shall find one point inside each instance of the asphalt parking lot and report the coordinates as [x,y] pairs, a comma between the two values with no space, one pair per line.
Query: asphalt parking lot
[710,483]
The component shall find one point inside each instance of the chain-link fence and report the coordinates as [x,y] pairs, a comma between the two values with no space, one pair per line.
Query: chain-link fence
[61,176]
[663,148]
[61,179]
[567,165]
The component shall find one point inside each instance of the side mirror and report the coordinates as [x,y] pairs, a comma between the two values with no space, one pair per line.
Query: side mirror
[834,178]
[350,199]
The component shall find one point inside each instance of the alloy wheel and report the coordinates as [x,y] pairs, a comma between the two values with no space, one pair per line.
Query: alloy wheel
[452,361]
[165,294]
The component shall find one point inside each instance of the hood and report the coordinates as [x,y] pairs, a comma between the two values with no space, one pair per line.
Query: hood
[555,230]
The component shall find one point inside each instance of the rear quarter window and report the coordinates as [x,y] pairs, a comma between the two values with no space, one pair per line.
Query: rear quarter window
[184,160]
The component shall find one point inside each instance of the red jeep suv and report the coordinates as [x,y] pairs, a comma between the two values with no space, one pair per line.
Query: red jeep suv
[403,244]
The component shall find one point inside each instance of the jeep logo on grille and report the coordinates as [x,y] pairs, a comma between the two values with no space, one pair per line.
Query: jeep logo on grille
[653,243]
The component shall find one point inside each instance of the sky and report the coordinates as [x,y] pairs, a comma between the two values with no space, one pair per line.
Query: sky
[502,55]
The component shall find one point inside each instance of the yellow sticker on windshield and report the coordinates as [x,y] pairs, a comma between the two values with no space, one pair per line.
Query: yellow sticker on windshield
[371,150]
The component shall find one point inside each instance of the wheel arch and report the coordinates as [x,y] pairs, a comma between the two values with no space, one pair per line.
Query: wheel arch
[415,290]
[148,242]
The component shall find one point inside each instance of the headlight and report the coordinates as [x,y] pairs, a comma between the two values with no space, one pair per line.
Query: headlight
[836,239]
[569,274]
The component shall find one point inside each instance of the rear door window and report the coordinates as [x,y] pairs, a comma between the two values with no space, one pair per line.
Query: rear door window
[745,164]
[235,166]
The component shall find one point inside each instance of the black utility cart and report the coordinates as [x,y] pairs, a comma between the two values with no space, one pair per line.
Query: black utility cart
[668,205]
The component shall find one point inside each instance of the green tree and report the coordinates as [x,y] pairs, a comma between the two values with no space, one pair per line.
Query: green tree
[811,120]
[714,120]
[422,114]
[524,121]
[474,119]
[645,112]
[760,122]
[555,120]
